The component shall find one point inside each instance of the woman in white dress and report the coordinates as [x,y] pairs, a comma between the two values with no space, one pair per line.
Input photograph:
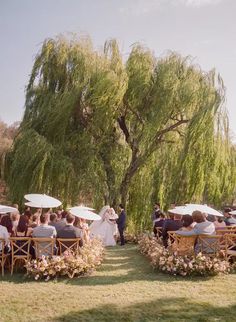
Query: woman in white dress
[106,227]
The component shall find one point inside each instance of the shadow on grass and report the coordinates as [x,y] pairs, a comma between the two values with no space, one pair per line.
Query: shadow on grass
[18,277]
[126,265]
[166,309]
[121,264]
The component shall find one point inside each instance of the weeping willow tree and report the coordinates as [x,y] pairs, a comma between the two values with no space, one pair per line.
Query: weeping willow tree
[108,129]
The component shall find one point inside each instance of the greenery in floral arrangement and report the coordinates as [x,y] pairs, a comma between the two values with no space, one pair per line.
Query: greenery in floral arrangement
[169,262]
[69,264]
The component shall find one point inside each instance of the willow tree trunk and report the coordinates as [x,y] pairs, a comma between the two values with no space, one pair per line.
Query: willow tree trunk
[134,166]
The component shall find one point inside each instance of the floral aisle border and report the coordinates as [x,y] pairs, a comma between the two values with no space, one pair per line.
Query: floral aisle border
[69,264]
[167,261]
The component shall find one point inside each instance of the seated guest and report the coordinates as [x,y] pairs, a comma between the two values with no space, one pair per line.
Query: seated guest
[6,222]
[22,230]
[63,215]
[4,235]
[159,224]
[38,212]
[27,212]
[229,219]
[44,230]
[53,219]
[58,213]
[202,227]
[157,212]
[219,223]
[57,224]
[172,224]
[35,221]
[36,216]
[210,218]
[83,225]
[187,221]
[185,245]
[15,217]
[69,230]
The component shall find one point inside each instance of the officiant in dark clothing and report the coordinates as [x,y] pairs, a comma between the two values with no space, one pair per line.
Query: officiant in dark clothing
[121,222]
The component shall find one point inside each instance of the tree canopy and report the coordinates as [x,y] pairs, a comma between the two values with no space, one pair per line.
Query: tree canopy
[112,130]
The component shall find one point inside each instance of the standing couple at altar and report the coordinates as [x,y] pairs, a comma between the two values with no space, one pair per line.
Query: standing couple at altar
[109,225]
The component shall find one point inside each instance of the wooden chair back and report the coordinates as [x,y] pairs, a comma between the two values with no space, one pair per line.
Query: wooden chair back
[44,247]
[232,227]
[68,245]
[230,245]
[3,255]
[172,236]
[182,245]
[158,232]
[209,244]
[20,250]
[225,231]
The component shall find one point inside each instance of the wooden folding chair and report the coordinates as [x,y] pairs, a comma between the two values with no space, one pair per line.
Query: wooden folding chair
[183,245]
[44,247]
[70,245]
[209,244]
[20,250]
[230,245]
[3,255]
[171,235]
[158,232]
[226,231]
[232,227]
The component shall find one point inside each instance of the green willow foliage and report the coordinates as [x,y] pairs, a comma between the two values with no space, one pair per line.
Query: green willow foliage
[136,131]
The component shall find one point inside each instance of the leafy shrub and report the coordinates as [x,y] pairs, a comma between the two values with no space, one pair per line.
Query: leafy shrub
[169,262]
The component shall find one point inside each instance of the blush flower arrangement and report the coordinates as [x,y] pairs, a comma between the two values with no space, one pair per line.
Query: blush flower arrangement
[170,262]
[69,264]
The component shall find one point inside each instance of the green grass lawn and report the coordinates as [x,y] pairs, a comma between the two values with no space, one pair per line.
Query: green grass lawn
[125,288]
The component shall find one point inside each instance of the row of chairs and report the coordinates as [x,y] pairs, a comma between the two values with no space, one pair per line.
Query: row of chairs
[206,244]
[219,231]
[22,249]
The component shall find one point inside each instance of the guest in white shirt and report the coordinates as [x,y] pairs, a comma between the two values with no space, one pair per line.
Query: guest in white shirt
[4,235]
[44,230]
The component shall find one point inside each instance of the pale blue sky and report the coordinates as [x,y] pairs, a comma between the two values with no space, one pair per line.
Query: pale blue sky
[204,29]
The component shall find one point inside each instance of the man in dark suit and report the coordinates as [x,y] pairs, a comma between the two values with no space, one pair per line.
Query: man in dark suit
[121,221]
[172,224]
[57,224]
[70,231]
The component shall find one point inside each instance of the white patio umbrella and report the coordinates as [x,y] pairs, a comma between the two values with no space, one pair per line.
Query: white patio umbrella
[82,207]
[6,209]
[233,212]
[181,210]
[43,201]
[83,213]
[31,204]
[205,209]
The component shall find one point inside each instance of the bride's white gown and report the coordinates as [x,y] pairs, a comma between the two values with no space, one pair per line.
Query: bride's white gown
[105,229]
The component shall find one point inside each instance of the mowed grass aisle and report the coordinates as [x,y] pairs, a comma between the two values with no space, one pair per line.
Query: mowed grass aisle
[125,288]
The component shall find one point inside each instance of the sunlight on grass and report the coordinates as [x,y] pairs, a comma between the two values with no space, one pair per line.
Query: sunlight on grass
[125,288]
